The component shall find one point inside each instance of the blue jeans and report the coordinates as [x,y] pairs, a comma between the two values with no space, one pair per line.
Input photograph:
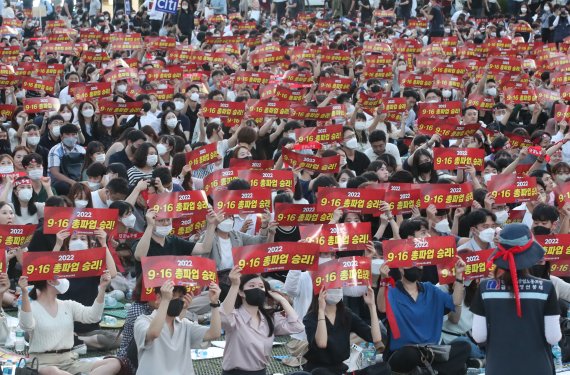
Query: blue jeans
[476,351]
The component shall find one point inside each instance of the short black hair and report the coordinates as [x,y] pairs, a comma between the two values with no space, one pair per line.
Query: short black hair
[96,170]
[164,174]
[477,217]
[68,129]
[118,186]
[376,136]
[239,184]
[409,227]
[545,212]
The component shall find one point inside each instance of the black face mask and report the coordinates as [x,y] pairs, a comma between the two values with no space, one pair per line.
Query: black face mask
[540,230]
[539,270]
[425,167]
[413,274]
[255,297]
[175,307]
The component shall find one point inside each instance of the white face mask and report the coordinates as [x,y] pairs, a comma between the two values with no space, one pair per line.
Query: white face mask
[20,121]
[499,118]
[108,122]
[375,265]
[502,217]
[62,287]
[151,160]
[402,68]
[171,122]
[66,116]
[354,291]
[129,221]
[81,203]
[487,235]
[93,185]
[77,244]
[25,194]
[121,89]
[492,91]
[546,9]
[351,144]
[5,169]
[523,10]
[55,131]
[162,231]
[334,296]
[35,174]
[360,125]
[487,177]
[161,149]
[446,93]
[88,113]
[323,260]
[342,184]
[100,158]
[442,226]
[178,105]
[33,141]
[226,225]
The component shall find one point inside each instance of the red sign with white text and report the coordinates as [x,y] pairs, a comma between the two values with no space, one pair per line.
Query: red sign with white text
[329,164]
[444,196]
[458,158]
[277,256]
[366,201]
[273,179]
[202,156]
[342,272]
[16,236]
[508,188]
[292,214]
[177,204]
[49,265]
[415,252]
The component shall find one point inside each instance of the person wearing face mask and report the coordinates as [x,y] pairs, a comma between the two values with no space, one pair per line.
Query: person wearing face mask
[33,165]
[482,224]
[87,119]
[65,160]
[414,310]
[185,20]
[545,220]
[157,240]
[165,338]
[355,160]
[328,325]
[51,137]
[180,107]
[31,139]
[23,198]
[250,327]
[145,160]
[545,14]
[80,195]
[106,130]
[53,347]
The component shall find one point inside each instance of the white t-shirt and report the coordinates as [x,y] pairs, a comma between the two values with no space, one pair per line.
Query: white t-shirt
[226,256]
[97,201]
[391,149]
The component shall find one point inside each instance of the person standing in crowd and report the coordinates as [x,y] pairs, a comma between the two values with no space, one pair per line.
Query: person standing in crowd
[518,331]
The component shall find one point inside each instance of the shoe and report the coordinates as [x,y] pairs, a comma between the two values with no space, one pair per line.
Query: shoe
[475,363]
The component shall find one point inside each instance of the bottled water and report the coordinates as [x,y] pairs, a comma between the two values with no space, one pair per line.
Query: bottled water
[368,354]
[557,353]
[20,341]
[7,368]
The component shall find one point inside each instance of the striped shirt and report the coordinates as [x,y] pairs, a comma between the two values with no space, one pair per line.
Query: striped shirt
[135,175]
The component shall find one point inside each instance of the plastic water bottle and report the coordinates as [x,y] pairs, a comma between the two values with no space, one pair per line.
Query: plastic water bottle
[7,369]
[129,295]
[557,353]
[368,354]
[20,342]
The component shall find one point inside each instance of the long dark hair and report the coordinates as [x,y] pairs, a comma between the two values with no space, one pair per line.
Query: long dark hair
[505,275]
[38,285]
[265,312]
[341,310]
[32,209]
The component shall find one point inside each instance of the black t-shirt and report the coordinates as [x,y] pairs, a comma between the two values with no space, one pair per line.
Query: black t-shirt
[122,158]
[338,340]
[436,24]
[359,164]
[172,246]
[517,345]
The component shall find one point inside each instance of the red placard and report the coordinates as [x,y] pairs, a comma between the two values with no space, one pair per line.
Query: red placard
[294,214]
[108,107]
[444,196]
[251,164]
[9,81]
[202,156]
[121,74]
[505,64]
[515,216]
[335,56]
[322,134]
[343,272]
[366,201]
[476,263]
[184,227]
[481,102]
[520,96]
[182,270]
[274,179]
[402,201]
[438,110]
[561,112]
[168,73]
[508,188]
[413,252]
[556,246]
[458,158]
[262,108]
[302,112]
[38,84]
[7,110]
[242,201]
[337,237]
[16,236]
[177,204]
[9,52]
[447,81]
[277,256]
[79,221]
[329,164]
[334,83]
[86,91]
[410,80]
[214,108]
[562,193]
[49,265]
[448,128]
[217,180]
[44,69]
[38,105]
[95,57]
[252,78]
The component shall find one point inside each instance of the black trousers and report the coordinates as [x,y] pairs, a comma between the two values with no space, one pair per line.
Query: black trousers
[408,358]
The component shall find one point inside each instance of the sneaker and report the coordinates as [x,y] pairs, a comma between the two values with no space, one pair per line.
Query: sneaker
[475,363]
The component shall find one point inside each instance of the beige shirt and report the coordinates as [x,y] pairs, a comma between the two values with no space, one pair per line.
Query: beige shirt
[167,354]
[248,347]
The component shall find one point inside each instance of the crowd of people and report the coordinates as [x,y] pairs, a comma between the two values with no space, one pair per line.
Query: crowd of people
[102,109]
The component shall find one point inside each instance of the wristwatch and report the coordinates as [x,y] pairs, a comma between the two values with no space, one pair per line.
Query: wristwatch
[217,304]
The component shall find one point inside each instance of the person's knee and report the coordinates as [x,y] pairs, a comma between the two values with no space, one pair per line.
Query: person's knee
[460,349]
